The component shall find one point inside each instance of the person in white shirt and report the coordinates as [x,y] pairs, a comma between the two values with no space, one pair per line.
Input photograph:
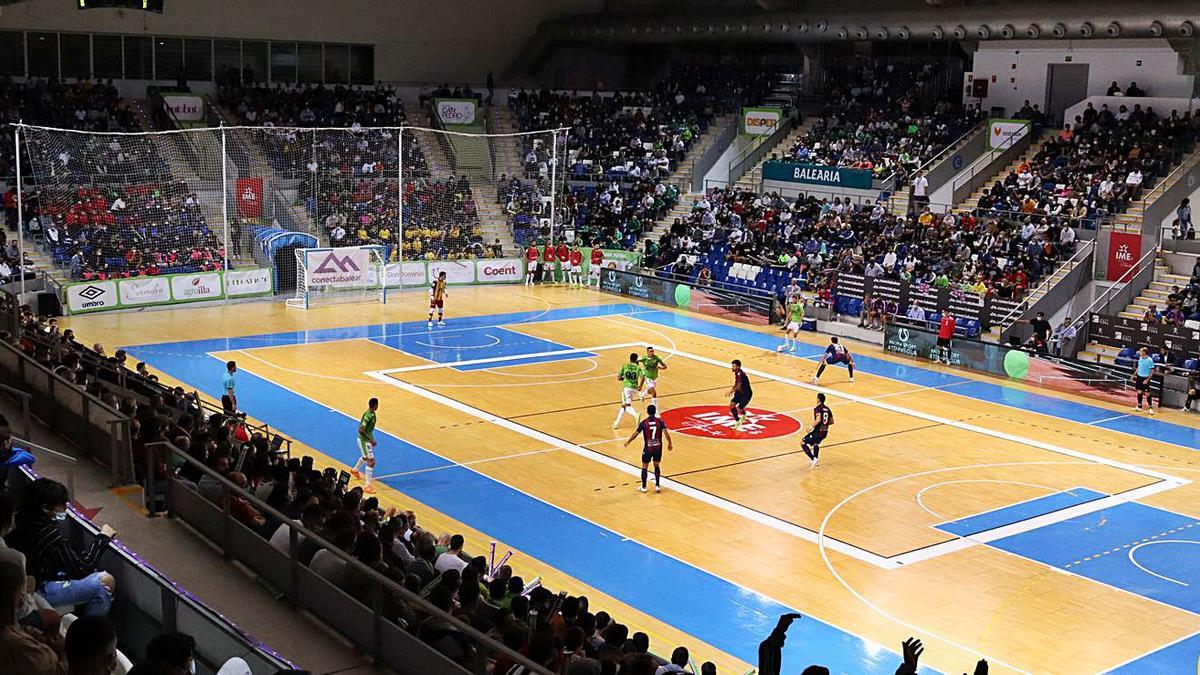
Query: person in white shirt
[1134,179]
[920,188]
[452,558]
[915,312]
[312,518]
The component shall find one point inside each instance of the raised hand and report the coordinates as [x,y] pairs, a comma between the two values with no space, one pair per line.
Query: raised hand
[912,650]
[981,668]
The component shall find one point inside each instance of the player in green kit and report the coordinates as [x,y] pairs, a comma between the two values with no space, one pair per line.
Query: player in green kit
[630,377]
[366,444]
[795,319]
[651,364]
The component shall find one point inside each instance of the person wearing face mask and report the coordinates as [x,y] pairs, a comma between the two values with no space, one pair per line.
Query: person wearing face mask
[64,576]
[91,647]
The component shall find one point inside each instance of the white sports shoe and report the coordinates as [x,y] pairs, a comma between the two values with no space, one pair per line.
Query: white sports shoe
[641,488]
[441,323]
[1150,410]
[813,464]
[430,324]
[658,488]
[852,379]
[1137,409]
[814,380]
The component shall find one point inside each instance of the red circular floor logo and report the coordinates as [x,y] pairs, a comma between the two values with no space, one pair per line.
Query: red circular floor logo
[714,421]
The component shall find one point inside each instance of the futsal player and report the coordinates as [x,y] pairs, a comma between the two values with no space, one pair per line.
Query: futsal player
[576,265]
[597,264]
[531,263]
[651,364]
[564,260]
[795,318]
[945,338]
[1142,379]
[653,431]
[366,444]
[630,377]
[834,354]
[437,299]
[822,420]
[739,394]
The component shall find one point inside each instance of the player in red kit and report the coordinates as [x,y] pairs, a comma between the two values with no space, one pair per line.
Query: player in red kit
[597,263]
[576,265]
[547,274]
[531,263]
[564,260]
[945,338]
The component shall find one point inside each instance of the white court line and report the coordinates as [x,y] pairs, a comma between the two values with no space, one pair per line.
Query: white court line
[605,460]
[1151,572]
[1108,419]
[485,460]
[927,488]
[497,359]
[1150,651]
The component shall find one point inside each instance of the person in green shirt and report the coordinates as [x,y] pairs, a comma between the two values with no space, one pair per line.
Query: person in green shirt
[651,364]
[795,319]
[366,444]
[630,377]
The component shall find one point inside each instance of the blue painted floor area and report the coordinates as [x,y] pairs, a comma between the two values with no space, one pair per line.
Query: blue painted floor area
[1180,658]
[448,345]
[1138,548]
[719,612]
[1015,513]
[923,375]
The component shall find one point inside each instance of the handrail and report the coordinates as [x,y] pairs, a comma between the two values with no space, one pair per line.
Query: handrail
[889,183]
[1021,308]
[26,400]
[1123,281]
[1162,185]
[26,443]
[350,561]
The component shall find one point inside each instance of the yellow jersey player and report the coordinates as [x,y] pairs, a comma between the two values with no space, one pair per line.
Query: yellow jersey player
[437,299]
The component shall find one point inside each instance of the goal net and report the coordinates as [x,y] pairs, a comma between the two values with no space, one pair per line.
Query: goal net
[343,274]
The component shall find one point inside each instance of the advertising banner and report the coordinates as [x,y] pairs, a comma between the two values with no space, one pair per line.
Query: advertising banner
[451,111]
[760,121]
[744,307]
[834,176]
[1119,331]
[340,268]
[1124,249]
[250,197]
[245,283]
[185,107]
[92,296]
[192,287]
[144,291]
[457,271]
[922,344]
[1003,133]
[500,270]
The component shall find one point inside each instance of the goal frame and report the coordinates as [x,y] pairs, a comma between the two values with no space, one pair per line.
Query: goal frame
[307,293]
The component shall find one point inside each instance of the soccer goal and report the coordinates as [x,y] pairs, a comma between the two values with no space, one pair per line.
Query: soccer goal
[333,275]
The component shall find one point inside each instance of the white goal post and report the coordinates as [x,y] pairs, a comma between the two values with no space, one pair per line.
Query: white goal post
[344,274]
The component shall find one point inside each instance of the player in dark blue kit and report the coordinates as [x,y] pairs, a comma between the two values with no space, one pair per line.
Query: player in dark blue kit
[822,420]
[834,354]
[653,431]
[739,394]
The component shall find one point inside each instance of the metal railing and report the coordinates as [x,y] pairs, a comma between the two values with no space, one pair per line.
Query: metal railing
[71,461]
[1014,315]
[26,400]
[367,626]
[1128,278]
[753,153]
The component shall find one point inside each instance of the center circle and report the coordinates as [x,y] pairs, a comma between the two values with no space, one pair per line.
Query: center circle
[714,421]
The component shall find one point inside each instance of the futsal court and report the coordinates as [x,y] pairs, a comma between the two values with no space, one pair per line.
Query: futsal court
[1044,531]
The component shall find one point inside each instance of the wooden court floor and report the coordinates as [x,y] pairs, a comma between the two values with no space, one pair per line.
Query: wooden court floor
[933,513]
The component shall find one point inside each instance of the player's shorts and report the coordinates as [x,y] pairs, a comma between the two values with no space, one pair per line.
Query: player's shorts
[838,358]
[436,304]
[944,342]
[1141,383]
[648,384]
[364,447]
[793,327]
[740,400]
[627,394]
[574,269]
[815,436]
[594,271]
[651,455]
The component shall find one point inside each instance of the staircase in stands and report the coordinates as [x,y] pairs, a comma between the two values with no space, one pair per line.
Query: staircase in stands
[1165,276]
[682,177]
[901,197]
[752,179]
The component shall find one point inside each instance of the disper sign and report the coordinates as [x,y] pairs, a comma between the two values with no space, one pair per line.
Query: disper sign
[760,121]
[460,111]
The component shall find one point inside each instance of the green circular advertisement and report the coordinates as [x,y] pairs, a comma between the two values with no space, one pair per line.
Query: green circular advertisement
[1016,364]
[683,295]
